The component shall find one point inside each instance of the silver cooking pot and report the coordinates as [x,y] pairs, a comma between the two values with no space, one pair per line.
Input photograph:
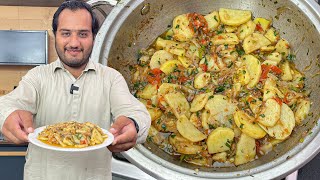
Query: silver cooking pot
[134,24]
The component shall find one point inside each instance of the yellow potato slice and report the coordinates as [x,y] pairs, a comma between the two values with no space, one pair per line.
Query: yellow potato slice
[269,89]
[169,66]
[184,146]
[220,104]
[246,124]
[213,20]
[275,57]
[286,71]
[254,42]
[267,48]
[284,126]
[155,113]
[148,91]
[270,113]
[246,29]
[204,119]
[220,140]
[230,29]
[225,38]
[155,135]
[264,23]
[242,76]
[302,110]
[283,48]
[220,157]
[272,35]
[166,88]
[181,29]
[253,66]
[195,119]
[199,101]
[246,149]
[178,103]
[201,80]
[170,46]
[234,17]
[185,61]
[188,130]
[160,57]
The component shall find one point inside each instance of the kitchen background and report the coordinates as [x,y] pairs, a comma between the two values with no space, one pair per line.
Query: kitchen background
[37,15]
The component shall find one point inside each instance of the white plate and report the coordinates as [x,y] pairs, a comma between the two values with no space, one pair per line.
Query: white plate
[34,140]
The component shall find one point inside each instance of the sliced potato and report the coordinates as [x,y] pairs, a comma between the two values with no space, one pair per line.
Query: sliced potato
[302,110]
[283,48]
[267,48]
[184,146]
[242,76]
[234,17]
[225,38]
[220,157]
[254,42]
[269,89]
[213,20]
[272,35]
[166,88]
[230,29]
[270,113]
[178,104]
[170,46]
[155,113]
[199,101]
[160,57]
[166,124]
[284,126]
[220,140]
[201,80]
[253,66]
[246,124]
[269,62]
[148,91]
[286,71]
[188,130]
[275,56]
[204,119]
[246,150]
[220,104]
[185,61]
[255,104]
[262,22]
[246,29]
[181,29]
[169,66]
[195,119]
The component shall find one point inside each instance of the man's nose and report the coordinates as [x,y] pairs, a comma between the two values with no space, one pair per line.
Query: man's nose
[74,41]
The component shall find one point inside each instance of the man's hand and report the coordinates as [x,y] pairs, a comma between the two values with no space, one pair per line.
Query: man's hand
[125,134]
[17,126]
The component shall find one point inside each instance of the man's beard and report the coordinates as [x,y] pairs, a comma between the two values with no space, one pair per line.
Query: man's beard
[74,62]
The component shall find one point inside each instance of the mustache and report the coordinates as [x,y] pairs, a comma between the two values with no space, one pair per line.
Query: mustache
[73,49]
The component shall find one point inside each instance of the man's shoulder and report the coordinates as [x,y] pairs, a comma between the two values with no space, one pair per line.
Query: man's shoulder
[105,69]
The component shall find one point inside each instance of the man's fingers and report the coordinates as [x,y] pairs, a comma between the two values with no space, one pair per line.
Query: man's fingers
[120,122]
[10,137]
[121,147]
[27,120]
[20,134]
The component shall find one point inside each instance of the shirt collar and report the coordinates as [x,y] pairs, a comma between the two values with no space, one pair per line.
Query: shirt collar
[58,65]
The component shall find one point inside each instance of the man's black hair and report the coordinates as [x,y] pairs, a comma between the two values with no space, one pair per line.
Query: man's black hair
[75,5]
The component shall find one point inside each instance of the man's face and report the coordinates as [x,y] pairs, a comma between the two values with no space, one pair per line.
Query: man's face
[74,38]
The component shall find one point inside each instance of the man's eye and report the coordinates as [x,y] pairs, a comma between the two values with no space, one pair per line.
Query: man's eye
[65,34]
[83,34]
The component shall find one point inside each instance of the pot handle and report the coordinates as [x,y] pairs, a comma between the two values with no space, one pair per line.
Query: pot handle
[95,4]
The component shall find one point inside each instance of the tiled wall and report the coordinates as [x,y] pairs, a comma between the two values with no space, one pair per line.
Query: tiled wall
[24,18]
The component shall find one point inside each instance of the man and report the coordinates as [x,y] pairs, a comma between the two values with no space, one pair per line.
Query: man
[73,88]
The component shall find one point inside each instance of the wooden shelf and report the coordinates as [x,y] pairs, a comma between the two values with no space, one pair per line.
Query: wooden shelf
[12,153]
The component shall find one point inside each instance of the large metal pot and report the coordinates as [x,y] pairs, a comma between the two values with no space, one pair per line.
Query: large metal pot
[135,24]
